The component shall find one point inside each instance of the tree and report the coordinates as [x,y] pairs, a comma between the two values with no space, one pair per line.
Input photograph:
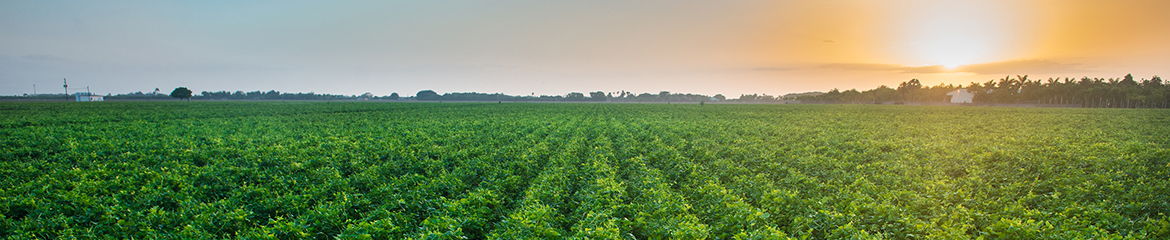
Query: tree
[393,96]
[909,89]
[575,96]
[645,97]
[181,93]
[426,95]
[748,98]
[1122,92]
[1128,81]
[720,97]
[597,96]
[882,94]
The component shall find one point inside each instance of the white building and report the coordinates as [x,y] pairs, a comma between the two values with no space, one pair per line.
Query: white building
[961,96]
[88,97]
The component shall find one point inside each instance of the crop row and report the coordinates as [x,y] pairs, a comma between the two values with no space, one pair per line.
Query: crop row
[324,170]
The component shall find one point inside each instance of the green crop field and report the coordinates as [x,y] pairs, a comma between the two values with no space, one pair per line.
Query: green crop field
[362,170]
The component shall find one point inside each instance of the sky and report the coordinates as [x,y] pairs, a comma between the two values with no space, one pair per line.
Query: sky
[523,47]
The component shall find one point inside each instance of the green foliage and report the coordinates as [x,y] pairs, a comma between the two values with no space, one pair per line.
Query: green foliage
[427,95]
[1086,92]
[361,170]
[181,92]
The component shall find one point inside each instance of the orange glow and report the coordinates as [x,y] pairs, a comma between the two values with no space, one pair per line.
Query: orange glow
[868,43]
[552,47]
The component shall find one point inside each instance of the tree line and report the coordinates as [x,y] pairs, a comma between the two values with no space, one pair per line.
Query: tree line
[598,96]
[1125,92]
[241,95]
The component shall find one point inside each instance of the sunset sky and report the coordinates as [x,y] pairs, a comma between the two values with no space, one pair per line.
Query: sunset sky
[555,47]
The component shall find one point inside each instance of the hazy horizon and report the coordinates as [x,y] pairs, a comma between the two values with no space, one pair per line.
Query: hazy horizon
[552,48]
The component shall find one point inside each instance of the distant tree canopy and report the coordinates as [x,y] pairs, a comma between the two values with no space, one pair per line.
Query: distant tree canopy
[1125,92]
[274,95]
[575,96]
[181,93]
[906,89]
[757,98]
[597,96]
[426,95]
[431,95]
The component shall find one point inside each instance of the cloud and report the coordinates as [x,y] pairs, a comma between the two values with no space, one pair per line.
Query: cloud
[1022,67]
[885,68]
[1005,67]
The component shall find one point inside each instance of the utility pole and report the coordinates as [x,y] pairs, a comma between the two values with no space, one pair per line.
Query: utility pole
[34,90]
[66,86]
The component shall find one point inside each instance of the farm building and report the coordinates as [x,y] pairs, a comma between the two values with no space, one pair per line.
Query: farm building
[961,96]
[88,97]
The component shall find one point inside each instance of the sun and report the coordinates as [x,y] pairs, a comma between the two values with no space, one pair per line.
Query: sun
[952,47]
[952,34]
